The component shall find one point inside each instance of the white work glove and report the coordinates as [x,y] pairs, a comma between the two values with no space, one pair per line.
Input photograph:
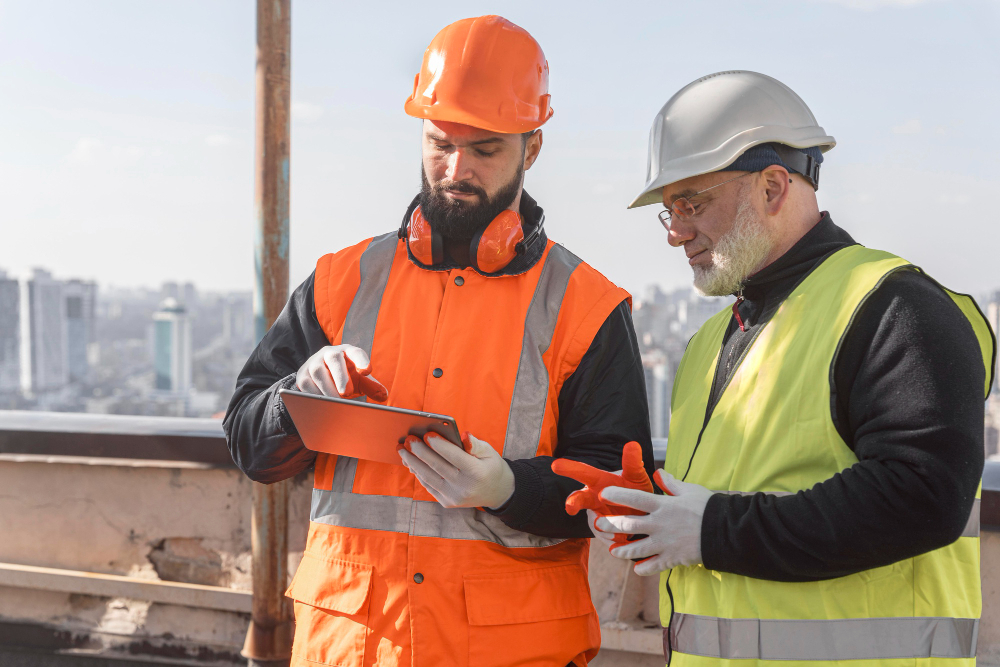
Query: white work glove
[473,476]
[340,370]
[673,524]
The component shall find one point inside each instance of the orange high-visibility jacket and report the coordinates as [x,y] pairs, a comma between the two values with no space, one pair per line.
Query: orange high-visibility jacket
[391,578]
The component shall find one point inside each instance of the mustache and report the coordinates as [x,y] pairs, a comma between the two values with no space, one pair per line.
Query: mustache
[460,186]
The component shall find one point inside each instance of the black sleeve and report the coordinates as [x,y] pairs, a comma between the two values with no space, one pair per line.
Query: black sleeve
[602,405]
[260,434]
[908,399]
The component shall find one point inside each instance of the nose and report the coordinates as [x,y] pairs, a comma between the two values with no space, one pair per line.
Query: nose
[459,168]
[680,232]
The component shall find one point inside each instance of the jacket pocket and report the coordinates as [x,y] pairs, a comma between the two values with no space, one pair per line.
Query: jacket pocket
[539,617]
[331,610]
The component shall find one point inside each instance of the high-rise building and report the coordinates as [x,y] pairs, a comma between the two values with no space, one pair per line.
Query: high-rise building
[659,384]
[81,300]
[172,347]
[237,321]
[10,334]
[43,334]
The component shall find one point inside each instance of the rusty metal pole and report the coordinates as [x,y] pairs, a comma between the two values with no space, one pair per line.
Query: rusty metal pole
[269,638]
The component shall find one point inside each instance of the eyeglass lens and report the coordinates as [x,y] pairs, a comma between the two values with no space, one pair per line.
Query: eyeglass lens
[681,207]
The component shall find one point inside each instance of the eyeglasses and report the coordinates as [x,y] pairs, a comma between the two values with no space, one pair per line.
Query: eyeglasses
[683,208]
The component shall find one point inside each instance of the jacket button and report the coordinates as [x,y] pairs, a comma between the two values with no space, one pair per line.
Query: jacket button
[418,578]
[437,372]
[459,280]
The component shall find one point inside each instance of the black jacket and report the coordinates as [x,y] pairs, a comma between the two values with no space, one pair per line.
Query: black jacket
[602,405]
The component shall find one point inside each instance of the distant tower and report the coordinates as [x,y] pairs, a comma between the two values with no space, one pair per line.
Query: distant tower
[81,301]
[659,384]
[172,347]
[10,335]
[43,334]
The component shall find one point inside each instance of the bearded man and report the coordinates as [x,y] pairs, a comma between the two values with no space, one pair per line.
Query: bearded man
[453,558]
[826,436]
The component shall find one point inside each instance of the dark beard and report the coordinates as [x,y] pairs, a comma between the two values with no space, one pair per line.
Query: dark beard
[461,221]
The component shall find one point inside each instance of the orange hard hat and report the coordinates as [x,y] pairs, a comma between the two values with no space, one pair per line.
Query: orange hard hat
[485,72]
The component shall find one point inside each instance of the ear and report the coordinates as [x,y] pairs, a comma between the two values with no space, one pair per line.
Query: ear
[777,185]
[532,148]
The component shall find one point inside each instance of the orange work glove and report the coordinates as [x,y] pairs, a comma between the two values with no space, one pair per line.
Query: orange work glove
[632,476]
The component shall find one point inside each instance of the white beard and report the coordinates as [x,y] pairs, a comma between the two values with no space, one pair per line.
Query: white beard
[738,254]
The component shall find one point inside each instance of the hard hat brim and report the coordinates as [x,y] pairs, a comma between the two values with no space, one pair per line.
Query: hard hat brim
[725,155]
[454,114]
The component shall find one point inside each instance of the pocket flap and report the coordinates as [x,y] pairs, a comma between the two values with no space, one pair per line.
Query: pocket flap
[545,594]
[329,583]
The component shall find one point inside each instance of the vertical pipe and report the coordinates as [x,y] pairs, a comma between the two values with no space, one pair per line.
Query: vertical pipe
[269,636]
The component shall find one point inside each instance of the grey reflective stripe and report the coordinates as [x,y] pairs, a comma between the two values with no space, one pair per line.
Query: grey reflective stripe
[850,639]
[971,527]
[531,389]
[359,325]
[399,514]
[376,261]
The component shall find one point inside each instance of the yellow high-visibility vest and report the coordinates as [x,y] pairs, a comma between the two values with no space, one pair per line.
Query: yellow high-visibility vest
[772,432]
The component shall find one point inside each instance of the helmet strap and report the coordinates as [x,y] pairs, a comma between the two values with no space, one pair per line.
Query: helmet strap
[800,162]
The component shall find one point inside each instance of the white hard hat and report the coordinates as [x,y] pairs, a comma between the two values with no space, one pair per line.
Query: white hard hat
[709,123]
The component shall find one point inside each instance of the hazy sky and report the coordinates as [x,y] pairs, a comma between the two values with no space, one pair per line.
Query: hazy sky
[126,128]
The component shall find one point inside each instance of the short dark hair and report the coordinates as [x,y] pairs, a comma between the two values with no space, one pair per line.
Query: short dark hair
[525,136]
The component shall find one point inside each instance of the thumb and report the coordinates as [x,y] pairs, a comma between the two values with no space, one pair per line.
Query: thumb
[668,483]
[478,448]
[632,468]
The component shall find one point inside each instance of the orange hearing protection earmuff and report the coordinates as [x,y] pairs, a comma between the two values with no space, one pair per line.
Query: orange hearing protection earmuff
[490,250]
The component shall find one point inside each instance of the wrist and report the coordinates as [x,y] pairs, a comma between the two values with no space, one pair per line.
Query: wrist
[504,489]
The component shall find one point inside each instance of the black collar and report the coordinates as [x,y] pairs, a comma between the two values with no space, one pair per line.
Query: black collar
[531,216]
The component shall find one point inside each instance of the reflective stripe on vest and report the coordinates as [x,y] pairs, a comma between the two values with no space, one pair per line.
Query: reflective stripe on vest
[971,526]
[400,514]
[341,507]
[842,639]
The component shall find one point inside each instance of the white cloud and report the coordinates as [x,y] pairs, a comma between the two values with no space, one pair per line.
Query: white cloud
[87,150]
[911,126]
[306,112]
[218,140]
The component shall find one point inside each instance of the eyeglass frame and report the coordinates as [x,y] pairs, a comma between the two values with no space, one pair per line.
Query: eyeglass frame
[669,210]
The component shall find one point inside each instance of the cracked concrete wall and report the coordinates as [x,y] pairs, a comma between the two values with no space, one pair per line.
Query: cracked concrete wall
[173,524]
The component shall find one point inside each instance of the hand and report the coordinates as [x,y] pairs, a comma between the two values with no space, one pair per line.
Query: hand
[473,476]
[672,523]
[340,370]
[632,476]
[610,540]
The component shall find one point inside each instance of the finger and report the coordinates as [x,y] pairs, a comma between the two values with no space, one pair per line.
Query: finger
[478,448]
[584,499]
[653,566]
[305,383]
[583,473]
[320,376]
[638,549]
[432,459]
[356,360]
[337,367]
[371,388]
[640,500]
[630,525]
[632,468]
[667,482]
[451,453]
[427,476]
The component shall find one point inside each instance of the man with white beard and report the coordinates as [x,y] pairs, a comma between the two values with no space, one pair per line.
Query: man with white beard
[826,433]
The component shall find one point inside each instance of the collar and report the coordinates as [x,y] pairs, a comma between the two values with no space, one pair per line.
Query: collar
[531,215]
[824,239]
